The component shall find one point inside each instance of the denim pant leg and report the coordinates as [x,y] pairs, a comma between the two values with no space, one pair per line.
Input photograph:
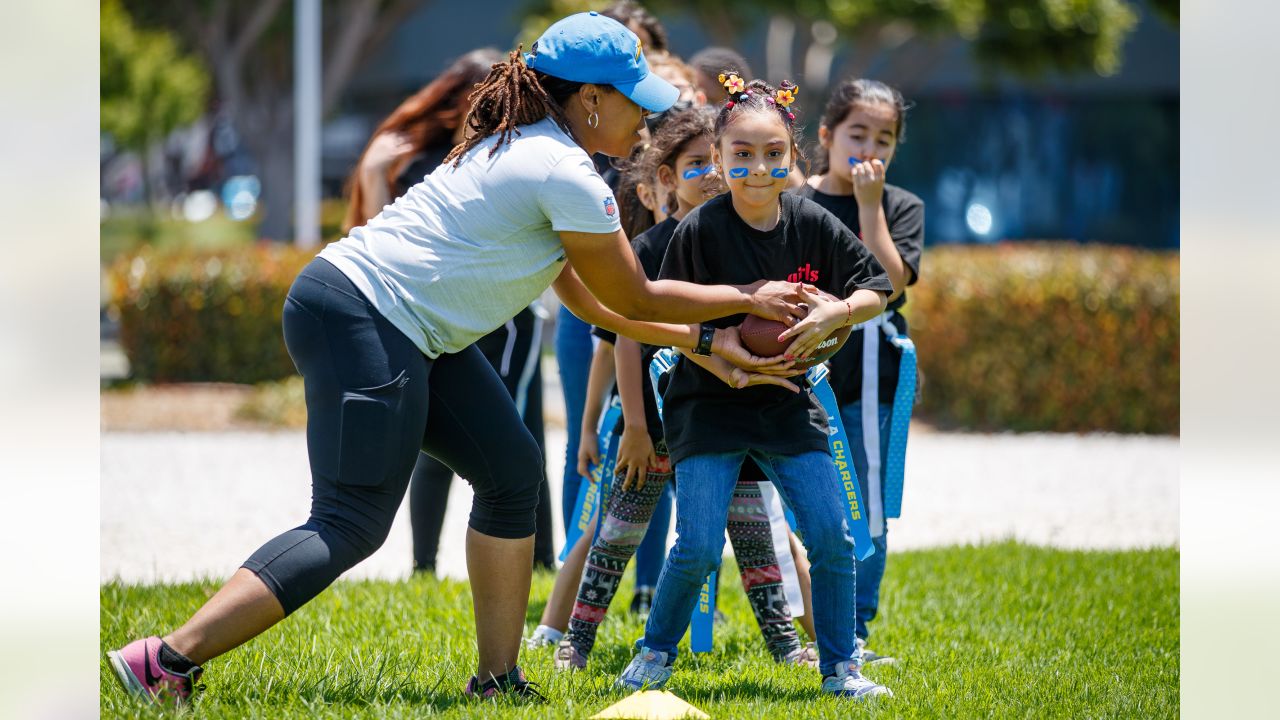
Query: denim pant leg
[871,570]
[653,549]
[704,487]
[573,355]
[809,483]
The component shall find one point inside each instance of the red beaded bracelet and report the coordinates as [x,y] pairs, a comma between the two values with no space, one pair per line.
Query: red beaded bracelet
[848,318]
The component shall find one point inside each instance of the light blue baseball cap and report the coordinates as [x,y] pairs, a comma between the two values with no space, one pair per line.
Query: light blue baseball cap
[591,48]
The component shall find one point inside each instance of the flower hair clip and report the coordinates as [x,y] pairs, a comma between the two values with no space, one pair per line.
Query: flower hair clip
[733,84]
[785,96]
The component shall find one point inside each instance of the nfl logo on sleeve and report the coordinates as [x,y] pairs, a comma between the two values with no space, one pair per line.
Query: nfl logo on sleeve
[609,208]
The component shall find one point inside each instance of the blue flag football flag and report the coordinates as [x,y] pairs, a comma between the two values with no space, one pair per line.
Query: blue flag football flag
[602,474]
[845,474]
[700,632]
[662,362]
[899,422]
[591,488]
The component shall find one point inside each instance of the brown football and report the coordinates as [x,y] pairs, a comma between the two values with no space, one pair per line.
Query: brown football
[760,336]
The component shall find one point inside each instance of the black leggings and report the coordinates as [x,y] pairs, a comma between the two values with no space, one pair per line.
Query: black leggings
[368,391]
[514,352]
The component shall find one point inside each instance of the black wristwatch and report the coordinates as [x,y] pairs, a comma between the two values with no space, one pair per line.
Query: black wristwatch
[705,337]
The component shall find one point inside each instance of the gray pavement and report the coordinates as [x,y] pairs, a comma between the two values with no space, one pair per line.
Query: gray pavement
[178,506]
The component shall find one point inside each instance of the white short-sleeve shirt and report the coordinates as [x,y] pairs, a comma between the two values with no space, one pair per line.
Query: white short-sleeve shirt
[467,248]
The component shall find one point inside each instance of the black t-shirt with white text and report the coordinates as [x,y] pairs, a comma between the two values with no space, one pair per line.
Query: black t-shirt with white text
[904,214]
[713,245]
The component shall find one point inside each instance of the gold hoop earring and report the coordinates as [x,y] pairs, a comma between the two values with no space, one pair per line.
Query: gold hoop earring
[593,120]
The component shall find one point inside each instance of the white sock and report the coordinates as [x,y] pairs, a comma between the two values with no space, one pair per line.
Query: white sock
[549,633]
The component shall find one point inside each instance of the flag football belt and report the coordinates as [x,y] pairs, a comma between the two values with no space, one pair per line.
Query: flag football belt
[885,475]
[592,487]
[700,639]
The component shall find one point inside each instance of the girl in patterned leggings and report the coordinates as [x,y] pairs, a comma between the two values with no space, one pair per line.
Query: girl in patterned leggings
[679,157]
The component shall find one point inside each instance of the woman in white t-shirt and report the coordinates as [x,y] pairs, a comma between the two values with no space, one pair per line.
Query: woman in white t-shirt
[381,323]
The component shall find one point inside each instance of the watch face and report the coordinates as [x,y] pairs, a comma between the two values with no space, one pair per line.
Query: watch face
[705,338]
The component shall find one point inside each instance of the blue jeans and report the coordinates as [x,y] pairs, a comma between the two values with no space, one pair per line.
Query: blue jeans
[871,570]
[704,487]
[573,355]
[653,548]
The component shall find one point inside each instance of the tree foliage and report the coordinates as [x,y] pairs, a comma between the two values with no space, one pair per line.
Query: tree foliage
[1037,36]
[1026,37]
[149,87]
[248,47]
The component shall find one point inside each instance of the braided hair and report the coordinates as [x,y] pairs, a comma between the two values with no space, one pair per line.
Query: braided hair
[428,117]
[760,97]
[513,95]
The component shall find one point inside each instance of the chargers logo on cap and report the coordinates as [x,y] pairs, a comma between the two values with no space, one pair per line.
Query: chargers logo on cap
[639,47]
[609,208]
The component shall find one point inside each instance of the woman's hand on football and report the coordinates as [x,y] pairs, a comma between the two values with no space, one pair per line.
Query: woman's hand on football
[825,317]
[740,378]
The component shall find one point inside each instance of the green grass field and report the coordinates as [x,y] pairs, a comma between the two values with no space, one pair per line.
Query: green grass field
[1002,630]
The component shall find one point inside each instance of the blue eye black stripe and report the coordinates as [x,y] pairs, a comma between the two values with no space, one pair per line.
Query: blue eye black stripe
[692,173]
[737,172]
[779,172]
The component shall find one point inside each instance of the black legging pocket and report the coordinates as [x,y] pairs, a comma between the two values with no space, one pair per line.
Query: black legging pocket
[372,439]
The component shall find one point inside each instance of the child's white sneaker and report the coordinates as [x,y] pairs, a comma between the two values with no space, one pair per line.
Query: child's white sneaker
[648,670]
[848,682]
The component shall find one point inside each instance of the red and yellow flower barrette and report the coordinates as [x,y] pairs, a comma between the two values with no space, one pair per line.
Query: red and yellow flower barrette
[732,83]
[786,95]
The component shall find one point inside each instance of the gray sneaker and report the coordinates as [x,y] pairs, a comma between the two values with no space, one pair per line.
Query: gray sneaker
[804,656]
[648,670]
[568,657]
[848,682]
[871,657]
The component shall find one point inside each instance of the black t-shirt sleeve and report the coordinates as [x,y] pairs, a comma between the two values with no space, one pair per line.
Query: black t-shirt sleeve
[650,261]
[906,227]
[606,335]
[852,260]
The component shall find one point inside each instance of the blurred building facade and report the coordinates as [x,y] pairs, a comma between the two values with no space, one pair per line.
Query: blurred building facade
[994,157]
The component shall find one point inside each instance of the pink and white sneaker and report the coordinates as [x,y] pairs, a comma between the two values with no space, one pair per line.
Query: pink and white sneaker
[137,666]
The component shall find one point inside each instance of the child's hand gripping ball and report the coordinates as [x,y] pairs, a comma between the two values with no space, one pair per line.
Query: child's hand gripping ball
[760,336]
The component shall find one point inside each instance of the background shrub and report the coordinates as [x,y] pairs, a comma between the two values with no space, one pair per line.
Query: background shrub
[206,316]
[1028,337]
[1048,336]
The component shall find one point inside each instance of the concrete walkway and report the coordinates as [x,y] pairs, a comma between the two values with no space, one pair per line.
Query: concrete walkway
[178,506]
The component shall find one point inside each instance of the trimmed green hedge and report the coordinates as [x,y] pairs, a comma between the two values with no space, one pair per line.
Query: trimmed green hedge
[194,317]
[1048,336]
[1052,336]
